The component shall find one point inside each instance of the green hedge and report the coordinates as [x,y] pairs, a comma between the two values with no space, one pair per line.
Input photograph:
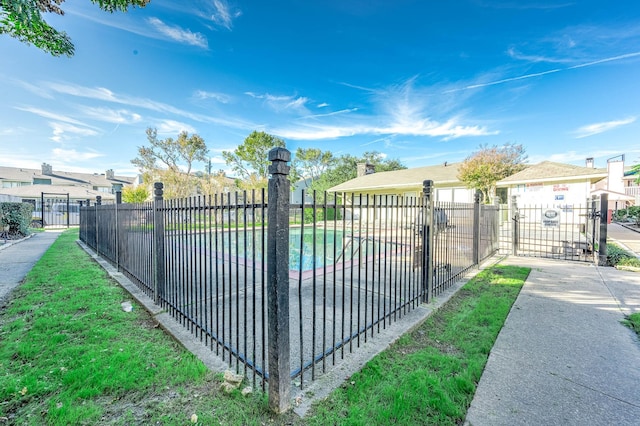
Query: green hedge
[17,216]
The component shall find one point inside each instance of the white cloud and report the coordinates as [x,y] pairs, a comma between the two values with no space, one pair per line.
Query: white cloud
[101,93]
[220,97]
[66,131]
[596,128]
[179,34]
[118,116]
[52,115]
[223,15]
[73,156]
[323,105]
[281,103]
[173,127]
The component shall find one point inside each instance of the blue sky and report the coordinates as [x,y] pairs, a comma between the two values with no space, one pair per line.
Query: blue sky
[420,81]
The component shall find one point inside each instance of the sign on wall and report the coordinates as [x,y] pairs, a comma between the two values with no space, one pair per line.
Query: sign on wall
[551,218]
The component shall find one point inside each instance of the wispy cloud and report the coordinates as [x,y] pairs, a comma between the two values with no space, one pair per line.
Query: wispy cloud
[66,131]
[223,14]
[281,103]
[220,97]
[596,128]
[173,127]
[52,115]
[401,109]
[104,94]
[73,156]
[118,116]
[543,73]
[515,54]
[179,34]
[329,114]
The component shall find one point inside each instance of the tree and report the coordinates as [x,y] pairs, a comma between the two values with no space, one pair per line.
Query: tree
[345,168]
[171,162]
[250,160]
[311,163]
[636,170]
[23,20]
[139,194]
[482,169]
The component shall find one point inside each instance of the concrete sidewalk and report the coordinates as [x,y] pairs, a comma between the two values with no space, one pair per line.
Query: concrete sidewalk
[17,259]
[563,357]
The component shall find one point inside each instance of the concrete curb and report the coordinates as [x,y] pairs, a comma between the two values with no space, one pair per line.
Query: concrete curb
[9,243]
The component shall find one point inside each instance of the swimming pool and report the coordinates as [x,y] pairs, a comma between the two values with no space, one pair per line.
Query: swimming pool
[248,245]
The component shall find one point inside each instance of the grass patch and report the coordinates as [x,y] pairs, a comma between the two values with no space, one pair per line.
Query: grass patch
[70,355]
[633,322]
[430,375]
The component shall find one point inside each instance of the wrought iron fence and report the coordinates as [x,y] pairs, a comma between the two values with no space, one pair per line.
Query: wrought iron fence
[349,266]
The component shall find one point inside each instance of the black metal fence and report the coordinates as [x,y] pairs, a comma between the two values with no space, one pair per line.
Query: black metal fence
[350,265]
[559,231]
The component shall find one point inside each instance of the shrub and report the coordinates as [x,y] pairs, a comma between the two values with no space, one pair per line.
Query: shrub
[16,216]
[616,255]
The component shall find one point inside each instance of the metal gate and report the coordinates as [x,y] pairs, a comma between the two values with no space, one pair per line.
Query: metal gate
[55,210]
[563,231]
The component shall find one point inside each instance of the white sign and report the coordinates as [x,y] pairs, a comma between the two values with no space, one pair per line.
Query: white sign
[551,218]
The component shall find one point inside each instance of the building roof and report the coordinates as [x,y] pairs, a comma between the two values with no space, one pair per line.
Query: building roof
[441,174]
[75,192]
[63,178]
[551,171]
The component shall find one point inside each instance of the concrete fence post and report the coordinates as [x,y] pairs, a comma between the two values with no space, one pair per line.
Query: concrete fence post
[604,221]
[158,242]
[427,241]
[278,281]
[476,227]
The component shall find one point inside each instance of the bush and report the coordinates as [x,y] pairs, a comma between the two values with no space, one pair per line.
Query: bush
[17,217]
[618,256]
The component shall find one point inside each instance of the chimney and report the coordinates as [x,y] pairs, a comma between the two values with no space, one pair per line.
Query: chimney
[365,169]
[369,169]
[47,170]
[110,174]
[589,163]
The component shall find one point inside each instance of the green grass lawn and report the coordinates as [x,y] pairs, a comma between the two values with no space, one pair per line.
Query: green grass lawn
[70,355]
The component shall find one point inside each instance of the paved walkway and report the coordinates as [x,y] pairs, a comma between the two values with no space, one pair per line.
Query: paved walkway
[563,357]
[17,259]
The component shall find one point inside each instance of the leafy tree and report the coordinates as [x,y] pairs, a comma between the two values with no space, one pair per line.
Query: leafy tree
[214,183]
[23,20]
[636,169]
[139,194]
[345,168]
[311,163]
[482,169]
[171,161]
[251,157]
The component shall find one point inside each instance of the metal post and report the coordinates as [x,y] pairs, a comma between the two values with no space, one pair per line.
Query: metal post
[515,223]
[158,243]
[98,203]
[604,220]
[476,228]
[278,281]
[68,211]
[117,230]
[427,241]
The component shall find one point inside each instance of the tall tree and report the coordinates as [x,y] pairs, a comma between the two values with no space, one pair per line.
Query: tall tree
[345,168]
[139,194]
[482,169]
[311,163]
[250,160]
[171,161]
[23,20]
